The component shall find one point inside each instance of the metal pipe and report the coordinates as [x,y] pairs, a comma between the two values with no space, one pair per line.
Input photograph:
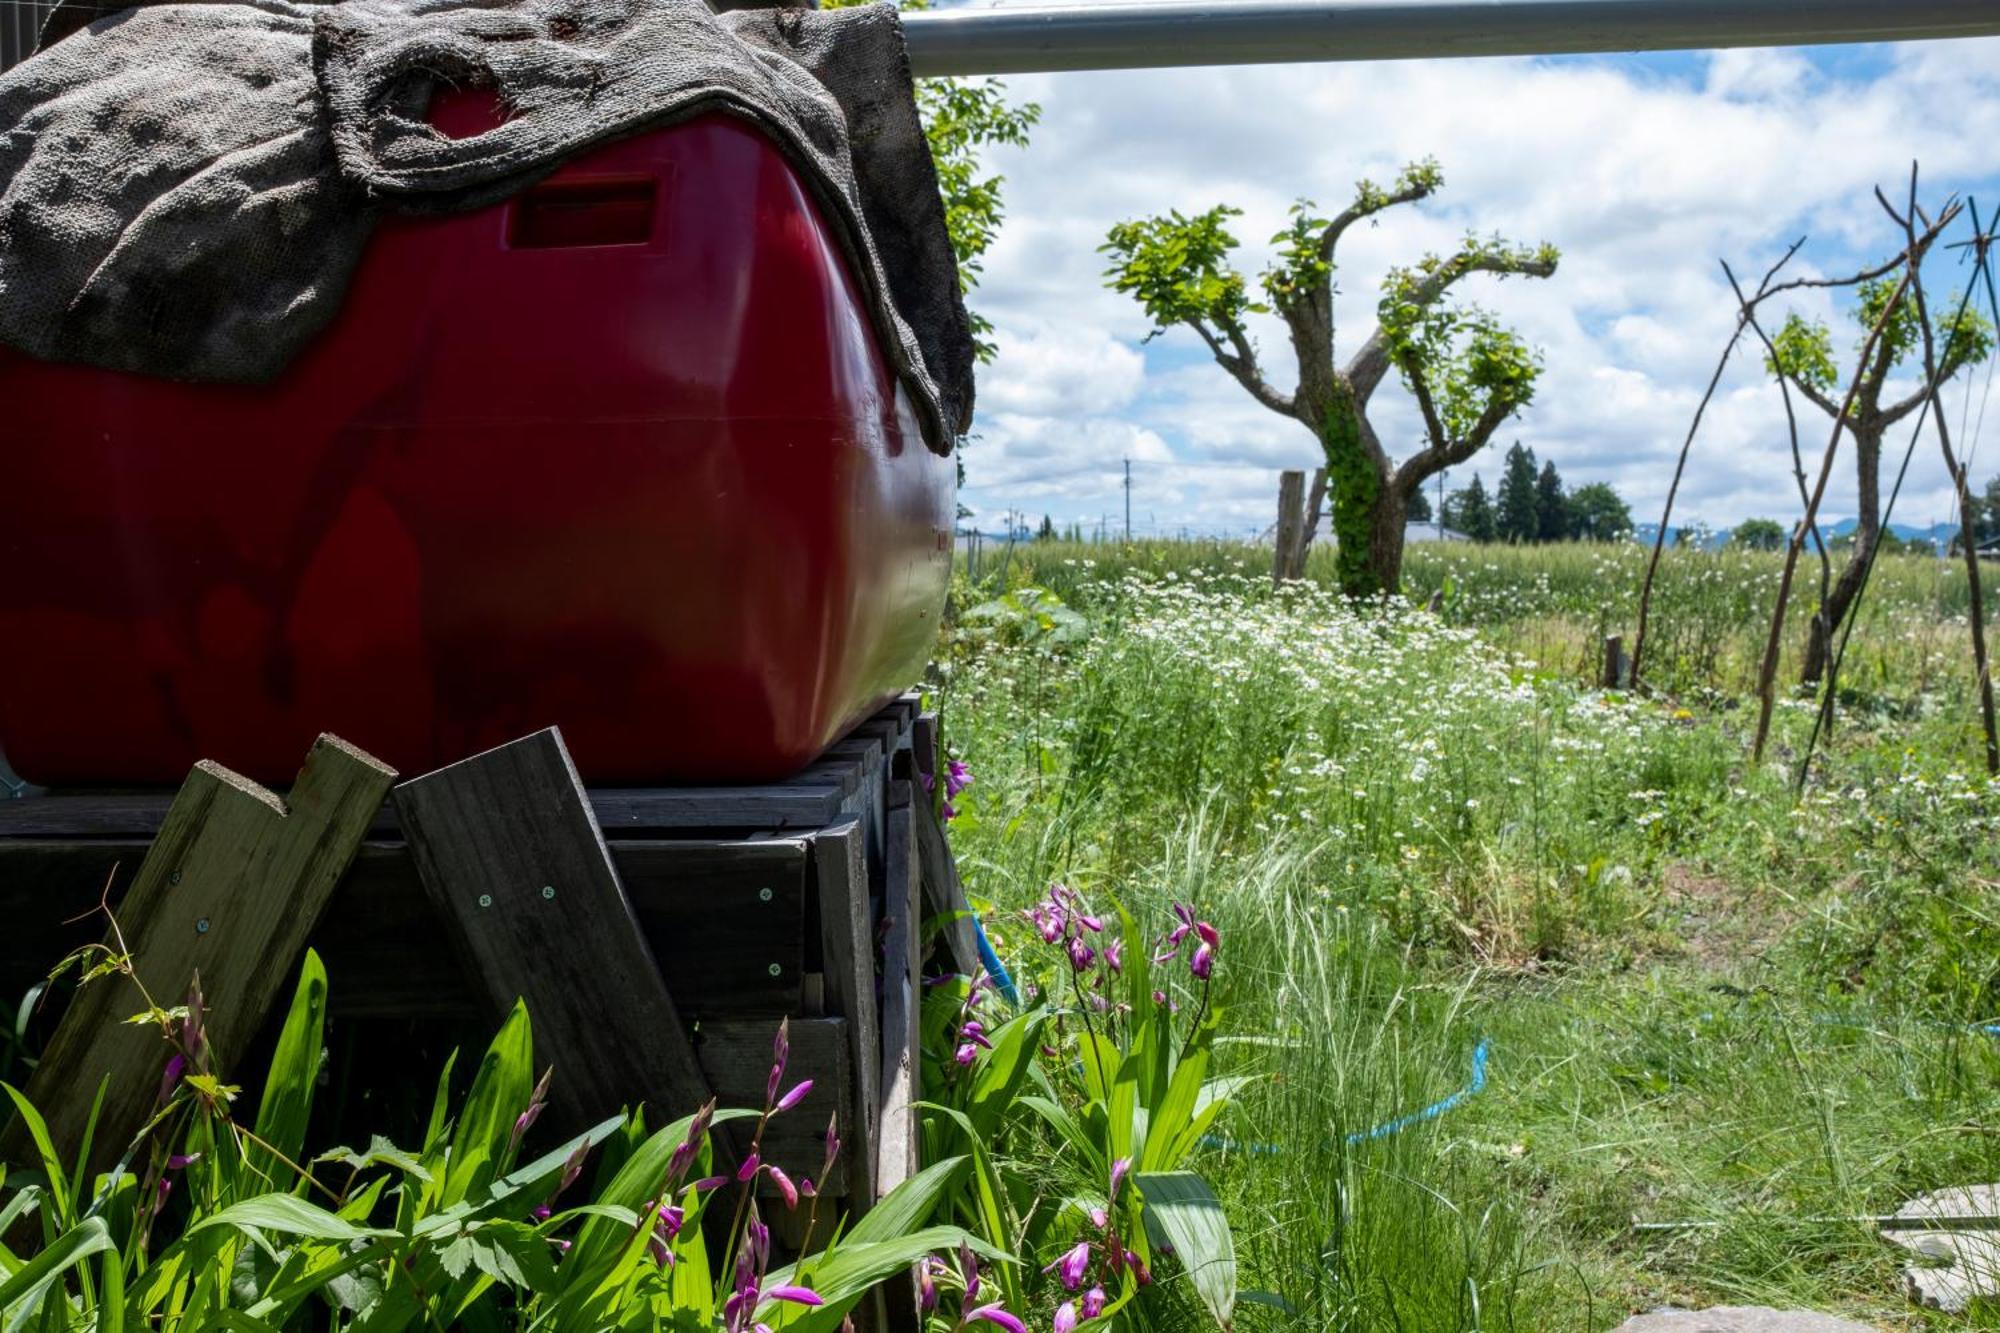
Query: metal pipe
[1159,33]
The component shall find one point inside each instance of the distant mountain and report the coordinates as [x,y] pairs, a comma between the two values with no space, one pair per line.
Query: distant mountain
[1938,536]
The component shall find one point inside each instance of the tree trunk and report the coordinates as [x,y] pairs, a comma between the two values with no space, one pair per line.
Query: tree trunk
[1385,542]
[1358,488]
[1867,535]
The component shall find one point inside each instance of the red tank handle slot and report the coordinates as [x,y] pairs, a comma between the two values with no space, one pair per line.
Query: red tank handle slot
[593,211]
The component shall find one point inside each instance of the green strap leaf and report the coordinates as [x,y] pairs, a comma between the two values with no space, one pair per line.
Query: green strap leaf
[21,1295]
[287,1215]
[287,1099]
[1182,1211]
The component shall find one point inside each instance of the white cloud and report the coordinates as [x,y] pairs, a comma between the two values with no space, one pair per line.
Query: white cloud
[1644,172]
[1060,369]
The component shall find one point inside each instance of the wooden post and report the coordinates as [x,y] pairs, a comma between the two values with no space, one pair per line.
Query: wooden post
[1315,498]
[847,946]
[516,866]
[902,989]
[1614,662]
[902,996]
[1291,524]
[225,898]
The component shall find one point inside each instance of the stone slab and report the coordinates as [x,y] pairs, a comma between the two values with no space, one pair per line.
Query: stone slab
[1957,1265]
[1739,1319]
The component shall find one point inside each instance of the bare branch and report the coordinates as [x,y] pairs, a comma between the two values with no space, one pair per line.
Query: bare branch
[1368,206]
[1239,358]
[1748,314]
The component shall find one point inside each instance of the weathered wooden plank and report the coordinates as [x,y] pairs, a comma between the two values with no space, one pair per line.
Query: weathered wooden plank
[511,857]
[227,895]
[902,989]
[378,936]
[736,1055]
[926,746]
[805,801]
[622,812]
[847,954]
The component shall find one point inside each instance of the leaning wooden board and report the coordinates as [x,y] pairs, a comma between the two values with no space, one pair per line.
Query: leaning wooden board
[728,887]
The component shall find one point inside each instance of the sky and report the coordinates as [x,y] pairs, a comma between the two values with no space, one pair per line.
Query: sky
[1645,170]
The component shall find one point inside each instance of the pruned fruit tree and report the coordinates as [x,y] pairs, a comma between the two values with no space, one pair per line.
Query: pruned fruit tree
[1467,371]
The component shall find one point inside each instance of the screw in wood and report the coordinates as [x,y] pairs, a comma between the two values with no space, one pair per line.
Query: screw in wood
[777,969]
[763,895]
[174,878]
[486,900]
[201,926]
[548,891]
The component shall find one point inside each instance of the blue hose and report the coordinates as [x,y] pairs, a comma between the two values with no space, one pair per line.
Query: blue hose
[996,969]
[1473,1087]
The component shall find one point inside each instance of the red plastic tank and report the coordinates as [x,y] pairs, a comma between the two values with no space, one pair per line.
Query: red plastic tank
[621,454]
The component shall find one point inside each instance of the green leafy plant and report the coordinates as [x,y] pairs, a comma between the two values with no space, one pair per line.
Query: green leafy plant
[229,1228]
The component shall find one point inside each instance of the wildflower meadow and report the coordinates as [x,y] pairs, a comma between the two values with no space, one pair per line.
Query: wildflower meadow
[1534,1004]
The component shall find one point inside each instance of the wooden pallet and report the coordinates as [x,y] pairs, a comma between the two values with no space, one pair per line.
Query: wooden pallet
[658,935]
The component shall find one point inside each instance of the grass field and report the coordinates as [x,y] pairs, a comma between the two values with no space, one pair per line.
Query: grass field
[1708,1001]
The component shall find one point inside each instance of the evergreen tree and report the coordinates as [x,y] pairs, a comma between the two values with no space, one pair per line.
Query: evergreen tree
[1517,517]
[1598,514]
[1419,508]
[1552,517]
[1470,512]
[1047,532]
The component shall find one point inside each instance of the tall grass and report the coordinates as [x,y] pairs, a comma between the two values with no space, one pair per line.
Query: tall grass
[1708,1003]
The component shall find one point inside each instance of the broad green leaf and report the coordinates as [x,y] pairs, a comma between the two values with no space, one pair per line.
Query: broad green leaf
[635,1186]
[1174,1113]
[843,1275]
[1181,1210]
[21,1294]
[52,1171]
[1075,1137]
[289,1081]
[1098,1060]
[997,1077]
[380,1152]
[111,1291]
[287,1215]
[907,1206]
[500,1092]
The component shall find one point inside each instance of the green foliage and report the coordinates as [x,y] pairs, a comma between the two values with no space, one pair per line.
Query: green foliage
[1304,267]
[1475,362]
[1706,1000]
[1758,534]
[962,118]
[1599,513]
[1178,268]
[457,1233]
[1962,337]
[1468,371]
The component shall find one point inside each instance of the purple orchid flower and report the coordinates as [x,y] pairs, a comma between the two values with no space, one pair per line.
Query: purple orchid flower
[1071,1267]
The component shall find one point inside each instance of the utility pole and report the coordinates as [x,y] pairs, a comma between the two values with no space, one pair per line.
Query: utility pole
[1128,502]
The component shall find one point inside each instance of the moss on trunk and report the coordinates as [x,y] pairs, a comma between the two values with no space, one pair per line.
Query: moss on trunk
[1356,486]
